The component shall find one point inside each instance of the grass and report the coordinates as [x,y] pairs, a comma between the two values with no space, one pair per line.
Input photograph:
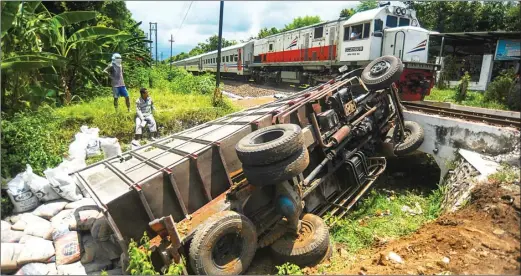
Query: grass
[473,98]
[366,225]
[505,175]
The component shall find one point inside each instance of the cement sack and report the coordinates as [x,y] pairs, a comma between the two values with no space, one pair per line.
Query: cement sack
[9,256]
[13,219]
[85,143]
[39,251]
[26,219]
[39,186]
[67,244]
[63,217]
[33,269]
[71,165]
[39,228]
[27,238]
[52,269]
[80,203]
[71,269]
[84,219]
[110,147]
[63,184]
[50,209]
[101,230]
[5,225]
[11,236]
[21,196]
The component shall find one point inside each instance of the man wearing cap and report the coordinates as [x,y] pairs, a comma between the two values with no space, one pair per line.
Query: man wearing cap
[115,71]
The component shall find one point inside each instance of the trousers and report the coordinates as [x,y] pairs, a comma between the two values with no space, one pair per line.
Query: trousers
[150,122]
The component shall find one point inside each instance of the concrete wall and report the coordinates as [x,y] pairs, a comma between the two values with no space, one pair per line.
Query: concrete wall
[444,136]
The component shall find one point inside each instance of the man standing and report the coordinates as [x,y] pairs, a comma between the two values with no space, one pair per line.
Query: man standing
[144,109]
[115,71]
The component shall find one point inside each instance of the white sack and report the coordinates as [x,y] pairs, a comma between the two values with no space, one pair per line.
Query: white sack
[39,186]
[21,196]
[110,147]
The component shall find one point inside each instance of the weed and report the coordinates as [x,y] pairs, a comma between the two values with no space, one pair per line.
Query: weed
[176,269]
[6,205]
[140,261]
[289,269]
[506,174]
[472,98]
[104,273]
[94,159]
[461,89]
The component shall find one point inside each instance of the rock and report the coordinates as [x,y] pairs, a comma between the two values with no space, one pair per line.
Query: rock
[421,270]
[363,268]
[343,252]
[392,257]
[429,265]
[498,232]
[444,262]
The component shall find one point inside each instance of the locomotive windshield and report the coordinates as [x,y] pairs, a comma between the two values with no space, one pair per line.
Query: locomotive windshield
[392,21]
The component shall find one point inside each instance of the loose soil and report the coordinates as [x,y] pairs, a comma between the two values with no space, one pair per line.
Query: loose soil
[482,238]
[250,89]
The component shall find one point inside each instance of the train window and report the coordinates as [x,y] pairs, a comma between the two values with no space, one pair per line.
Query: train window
[356,32]
[404,22]
[392,21]
[367,28]
[346,33]
[236,58]
[227,59]
[271,47]
[319,32]
[222,59]
[378,25]
[231,58]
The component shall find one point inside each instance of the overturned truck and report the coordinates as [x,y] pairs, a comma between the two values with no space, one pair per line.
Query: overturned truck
[262,177]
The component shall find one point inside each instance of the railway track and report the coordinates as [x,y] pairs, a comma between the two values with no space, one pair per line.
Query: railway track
[466,115]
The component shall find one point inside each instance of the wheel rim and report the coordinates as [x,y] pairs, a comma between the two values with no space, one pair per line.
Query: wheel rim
[267,137]
[227,250]
[380,68]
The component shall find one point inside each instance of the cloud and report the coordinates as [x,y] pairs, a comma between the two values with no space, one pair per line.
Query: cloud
[242,19]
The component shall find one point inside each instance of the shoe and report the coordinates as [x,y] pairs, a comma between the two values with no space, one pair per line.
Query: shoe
[136,143]
[154,138]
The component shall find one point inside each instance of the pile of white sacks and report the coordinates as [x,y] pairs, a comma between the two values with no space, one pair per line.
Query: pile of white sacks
[56,229]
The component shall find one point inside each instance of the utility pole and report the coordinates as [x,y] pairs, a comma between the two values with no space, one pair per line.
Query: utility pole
[153,28]
[217,95]
[171,45]
[161,55]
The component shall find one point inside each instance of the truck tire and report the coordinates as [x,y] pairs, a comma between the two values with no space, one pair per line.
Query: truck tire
[382,72]
[308,248]
[270,144]
[277,172]
[224,245]
[414,137]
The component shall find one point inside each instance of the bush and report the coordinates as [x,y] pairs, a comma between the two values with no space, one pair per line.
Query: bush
[503,90]
[289,269]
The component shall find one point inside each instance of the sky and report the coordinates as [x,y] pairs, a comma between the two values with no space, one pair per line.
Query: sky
[242,19]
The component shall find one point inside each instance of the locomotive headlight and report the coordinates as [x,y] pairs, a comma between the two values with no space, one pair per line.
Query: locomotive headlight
[414,22]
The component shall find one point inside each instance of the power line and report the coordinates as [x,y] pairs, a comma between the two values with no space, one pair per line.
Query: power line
[184,18]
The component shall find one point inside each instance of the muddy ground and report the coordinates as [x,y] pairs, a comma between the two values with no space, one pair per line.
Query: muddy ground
[482,238]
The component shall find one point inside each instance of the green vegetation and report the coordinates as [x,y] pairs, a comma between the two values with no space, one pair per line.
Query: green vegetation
[503,90]
[473,98]
[140,261]
[289,269]
[505,175]
[461,89]
[380,217]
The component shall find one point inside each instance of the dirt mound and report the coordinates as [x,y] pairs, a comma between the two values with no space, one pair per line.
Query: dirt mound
[482,238]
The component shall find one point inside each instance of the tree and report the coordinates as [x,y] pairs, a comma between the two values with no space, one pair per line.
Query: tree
[300,22]
[366,5]
[347,13]
[264,32]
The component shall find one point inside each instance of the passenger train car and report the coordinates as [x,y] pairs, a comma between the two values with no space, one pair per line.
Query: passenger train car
[315,53]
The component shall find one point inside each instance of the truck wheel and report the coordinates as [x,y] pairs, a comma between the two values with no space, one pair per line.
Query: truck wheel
[309,247]
[224,245]
[414,137]
[270,144]
[381,72]
[277,172]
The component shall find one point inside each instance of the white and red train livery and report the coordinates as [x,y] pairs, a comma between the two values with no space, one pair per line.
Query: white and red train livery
[314,53]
